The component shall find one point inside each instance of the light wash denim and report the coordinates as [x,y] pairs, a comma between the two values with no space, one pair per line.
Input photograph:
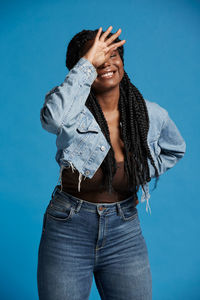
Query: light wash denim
[80,142]
[81,239]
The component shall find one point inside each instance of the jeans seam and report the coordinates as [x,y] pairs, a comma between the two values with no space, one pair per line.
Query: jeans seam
[101,288]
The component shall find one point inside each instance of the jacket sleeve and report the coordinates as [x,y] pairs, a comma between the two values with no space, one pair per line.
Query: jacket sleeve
[65,102]
[171,146]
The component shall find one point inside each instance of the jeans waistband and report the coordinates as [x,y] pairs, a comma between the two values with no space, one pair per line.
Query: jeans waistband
[93,206]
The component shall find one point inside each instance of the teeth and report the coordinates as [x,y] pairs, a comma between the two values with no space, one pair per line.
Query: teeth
[109,74]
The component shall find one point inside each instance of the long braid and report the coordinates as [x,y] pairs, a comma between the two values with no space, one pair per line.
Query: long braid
[134,120]
[126,137]
[109,162]
[133,144]
[138,106]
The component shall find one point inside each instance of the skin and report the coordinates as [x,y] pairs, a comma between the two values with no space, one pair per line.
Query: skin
[107,90]
[103,54]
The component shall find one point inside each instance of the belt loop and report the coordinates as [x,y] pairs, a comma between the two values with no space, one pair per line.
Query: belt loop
[78,207]
[54,191]
[119,210]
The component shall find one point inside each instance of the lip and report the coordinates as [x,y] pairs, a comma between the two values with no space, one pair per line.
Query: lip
[107,71]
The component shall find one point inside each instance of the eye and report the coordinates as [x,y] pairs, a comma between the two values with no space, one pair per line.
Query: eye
[113,55]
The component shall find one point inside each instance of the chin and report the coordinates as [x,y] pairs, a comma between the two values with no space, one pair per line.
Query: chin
[100,88]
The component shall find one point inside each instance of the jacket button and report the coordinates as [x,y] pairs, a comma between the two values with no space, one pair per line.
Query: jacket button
[103,148]
[87,172]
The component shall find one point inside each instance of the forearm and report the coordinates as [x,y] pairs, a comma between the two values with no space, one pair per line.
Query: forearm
[65,101]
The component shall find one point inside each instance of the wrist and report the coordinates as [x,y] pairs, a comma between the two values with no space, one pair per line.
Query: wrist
[89,59]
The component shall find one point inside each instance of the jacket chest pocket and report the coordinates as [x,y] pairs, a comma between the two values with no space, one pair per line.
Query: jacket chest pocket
[87,147]
[86,127]
[87,132]
[84,140]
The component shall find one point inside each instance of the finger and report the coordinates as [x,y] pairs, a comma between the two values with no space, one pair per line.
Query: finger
[116,45]
[113,37]
[98,33]
[105,34]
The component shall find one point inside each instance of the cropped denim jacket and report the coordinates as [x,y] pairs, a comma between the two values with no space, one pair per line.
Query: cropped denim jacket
[80,142]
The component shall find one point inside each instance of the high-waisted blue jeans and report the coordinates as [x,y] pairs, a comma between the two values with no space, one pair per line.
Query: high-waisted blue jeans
[81,239]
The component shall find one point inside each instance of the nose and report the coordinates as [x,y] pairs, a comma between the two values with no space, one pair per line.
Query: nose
[105,64]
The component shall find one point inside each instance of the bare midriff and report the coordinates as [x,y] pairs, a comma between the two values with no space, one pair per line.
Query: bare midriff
[93,190]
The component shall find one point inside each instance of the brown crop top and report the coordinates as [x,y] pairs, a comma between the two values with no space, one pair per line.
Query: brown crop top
[92,189]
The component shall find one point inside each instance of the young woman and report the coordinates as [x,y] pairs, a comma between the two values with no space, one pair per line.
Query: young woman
[110,141]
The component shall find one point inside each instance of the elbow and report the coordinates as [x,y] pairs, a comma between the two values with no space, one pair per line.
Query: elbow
[48,122]
[182,150]
[179,148]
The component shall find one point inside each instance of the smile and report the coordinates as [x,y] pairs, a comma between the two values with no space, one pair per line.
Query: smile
[107,75]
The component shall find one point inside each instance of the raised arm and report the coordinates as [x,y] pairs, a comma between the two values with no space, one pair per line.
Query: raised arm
[63,103]
[67,100]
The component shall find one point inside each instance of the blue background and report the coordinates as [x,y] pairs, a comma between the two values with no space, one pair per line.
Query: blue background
[162,59]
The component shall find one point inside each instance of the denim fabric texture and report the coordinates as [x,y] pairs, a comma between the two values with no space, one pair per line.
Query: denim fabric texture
[80,142]
[81,239]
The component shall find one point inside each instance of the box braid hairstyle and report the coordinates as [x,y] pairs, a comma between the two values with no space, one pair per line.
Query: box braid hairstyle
[134,122]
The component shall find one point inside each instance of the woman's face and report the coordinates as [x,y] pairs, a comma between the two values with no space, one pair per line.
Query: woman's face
[114,65]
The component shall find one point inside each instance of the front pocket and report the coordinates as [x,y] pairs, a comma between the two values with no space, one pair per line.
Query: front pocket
[129,213]
[60,209]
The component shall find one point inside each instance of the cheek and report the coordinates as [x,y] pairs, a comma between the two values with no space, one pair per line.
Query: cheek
[121,72]
[120,67]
